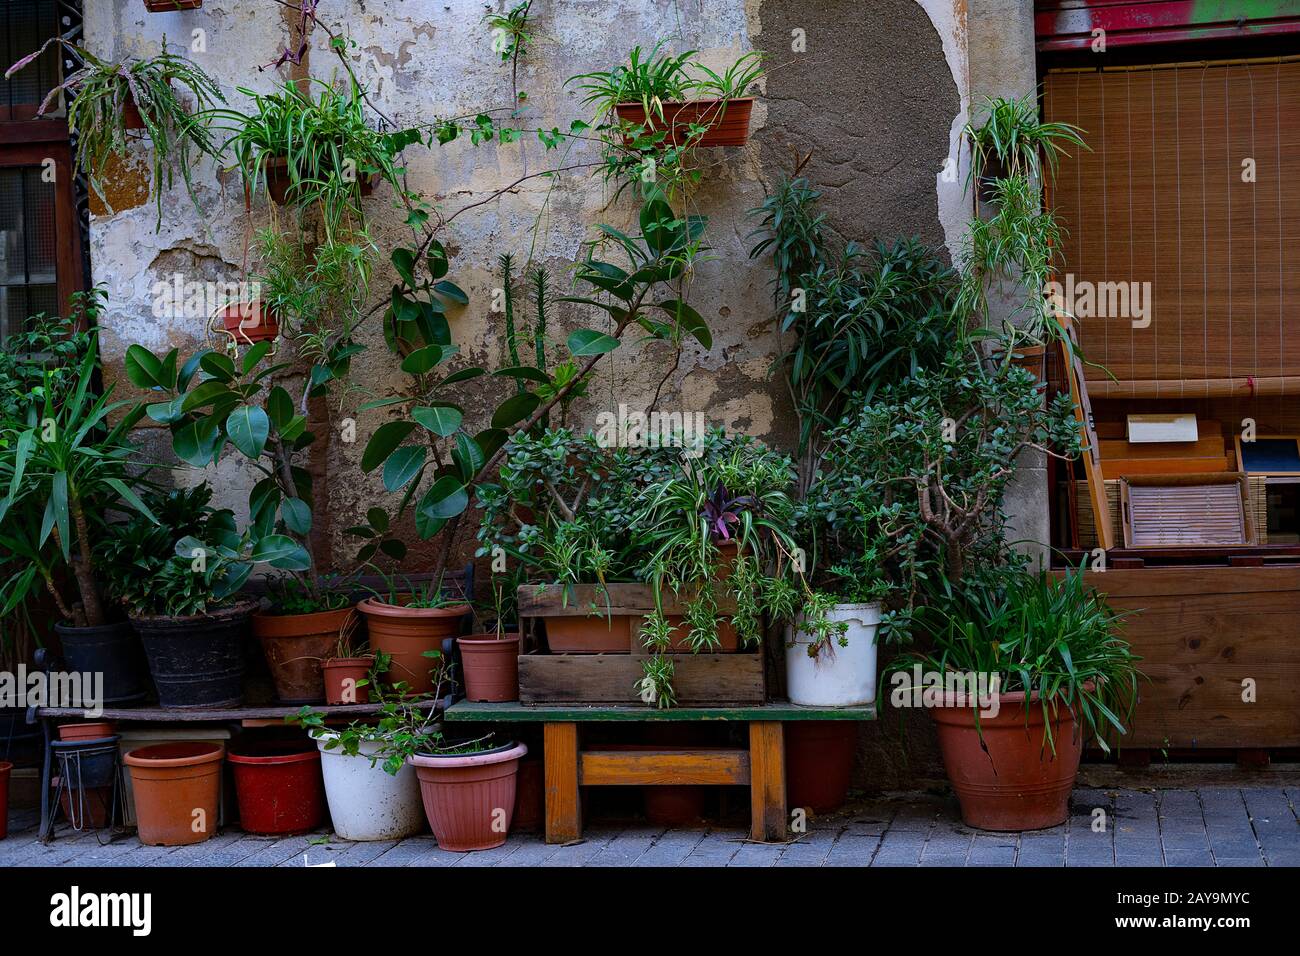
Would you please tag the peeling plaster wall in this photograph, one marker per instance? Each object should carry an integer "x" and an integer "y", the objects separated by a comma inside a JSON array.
[{"x": 879, "y": 94}]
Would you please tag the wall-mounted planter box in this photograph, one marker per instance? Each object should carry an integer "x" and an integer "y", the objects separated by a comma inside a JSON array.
[{"x": 727, "y": 120}]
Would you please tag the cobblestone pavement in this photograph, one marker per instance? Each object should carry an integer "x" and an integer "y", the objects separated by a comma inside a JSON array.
[{"x": 1208, "y": 826}]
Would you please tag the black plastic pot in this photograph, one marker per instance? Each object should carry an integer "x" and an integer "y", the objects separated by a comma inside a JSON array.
[
  {"x": 86, "y": 764},
  {"x": 112, "y": 650},
  {"x": 197, "y": 661}
]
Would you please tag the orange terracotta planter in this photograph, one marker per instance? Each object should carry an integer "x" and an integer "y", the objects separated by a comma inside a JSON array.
[
  {"x": 727, "y": 120},
  {"x": 491, "y": 667},
  {"x": 406, "y": 634},
  {"x": 177, "y": 787},
  {"x": 341, "y": 676},
  {"x": 1011, "y": 780},
  {"x": 469, "y": 799},
  {"x": 96, "y": 730},
  {"x": 295, "y": 645},
  {"x": 589, "y": 634},
  {"x": 248, "y": 322}
]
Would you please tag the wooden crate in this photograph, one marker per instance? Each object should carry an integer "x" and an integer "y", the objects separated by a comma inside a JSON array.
[{"x": 700, "y": 680}]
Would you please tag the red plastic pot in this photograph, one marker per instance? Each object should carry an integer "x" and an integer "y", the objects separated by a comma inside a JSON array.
[
  {"x": 469, "y": 799},
  {"x": 5, "y": 767},
  {"x": 279, "y": 787},
  {"x": 96, "y": 730},
  {"x": 491, "y": 667},
  {"x": 341, "y": 676},
  {"x": 1010, "y": 779},
  {"x": 819, "y": 762}
]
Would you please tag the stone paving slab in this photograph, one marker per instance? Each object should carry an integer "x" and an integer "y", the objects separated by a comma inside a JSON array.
[{"x": 1209, "y": 826}]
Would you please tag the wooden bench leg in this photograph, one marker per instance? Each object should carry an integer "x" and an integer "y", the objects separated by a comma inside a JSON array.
[
  {"x": 563, "y": 806},
  {"x": 767, "y": 781}
]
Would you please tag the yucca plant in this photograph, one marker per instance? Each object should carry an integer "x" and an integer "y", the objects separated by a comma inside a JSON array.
[{"x": 102, "y": 94}]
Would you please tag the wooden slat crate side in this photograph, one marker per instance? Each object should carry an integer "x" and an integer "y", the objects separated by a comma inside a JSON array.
[
  {"x": 550, "y": 600},
  {"x": 700, "y": 679}
]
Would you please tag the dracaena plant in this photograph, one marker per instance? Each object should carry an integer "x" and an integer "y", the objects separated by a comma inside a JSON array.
[
  {"x": 64, "y": 471},
  {"x": 216, "y": 401},
  {"x": 99, "y": 94}
]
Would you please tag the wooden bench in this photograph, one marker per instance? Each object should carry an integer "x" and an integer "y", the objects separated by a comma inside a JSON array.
[{"x": 567, "y": 766}]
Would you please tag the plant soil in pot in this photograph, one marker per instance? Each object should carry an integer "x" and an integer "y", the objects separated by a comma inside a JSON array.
[
  {"x": 589, "y": 634},
  {"x": 837, "y": 676},
  {"x": 86, "y": 731},
  {"x": 112, "y": 650},
  {"x": 197, "y": 661},
  {"x": 469, "y": 798},
  {"x": 177, "y": 787},
  {"x": 279, "y": 786},
  {"x": 491, "y": 667},
  {"x": 366, "y": 802},
  {"x": 341, "y": 676},
  {"x": 249, "y": 322},
  {"x": 295, "y": 645},
  {"x": 1011, "y": 779},
  {"x": 727, "y": 120},
  {"x": 407, "y": 633},
  {"x": 819, "y": 762},
  {"x": 5, "y": 767}
]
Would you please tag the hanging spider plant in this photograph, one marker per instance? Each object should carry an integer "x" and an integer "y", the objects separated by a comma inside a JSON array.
[
  {"x": 108, "y": 100},
  {"x": 1008, "y": 139}
]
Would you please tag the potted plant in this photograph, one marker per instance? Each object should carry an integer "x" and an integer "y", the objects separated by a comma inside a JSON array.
[
  {"x": 1061, "y": 675},
  {"x": 297, "y": 633},
  {"x": 346, "y": 670},
  {"x": 408, "y": 624},
  {"x": 490, "y": 661},
  {"x": 179, "y": 579},
  {"x": 177, "y": 791},
  {"x": 675, "y": 99},
  {"x": 111, "y": 99},
  {"x": 66, "y": 481}
]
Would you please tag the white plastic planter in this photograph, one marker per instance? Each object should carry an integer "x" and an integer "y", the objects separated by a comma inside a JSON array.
[
  {"x": 366, "y": 803},
  {"x": 837, "y": 676}
]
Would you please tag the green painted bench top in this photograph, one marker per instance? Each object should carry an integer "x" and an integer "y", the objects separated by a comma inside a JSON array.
[{"x": 521, "y": 713}]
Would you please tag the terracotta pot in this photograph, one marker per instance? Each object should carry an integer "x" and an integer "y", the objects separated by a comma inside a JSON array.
[
  {"x": 589, "y": 634},
  {"x": 341, "y": 676},
  {"x": 407, "y": 633},
  {"x": 87, "y": 731},
  {"x": 279, "y": 787},
  {"x": 166, "y": 6},
  {"x": 92, "y": 812},
  {"x": 727, "y": 120},
  {"x": 491, "y": 667},
  {"x": 279, "y": 182},
  {"x": 469, "y": 799},
  {"x": 295, "y": 645},
  {"x": 248, "y": 322},
  {"x": 1011, "y": 780},
  {"x": 819, "y": 762},
  {"x": 177, "y": 787},
  {"x": 5, "y": 767}
]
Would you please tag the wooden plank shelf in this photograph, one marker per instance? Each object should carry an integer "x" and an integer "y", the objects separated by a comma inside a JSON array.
[
  {"x": 776, "y": 710},
  {"x": 211, "y": 715}
]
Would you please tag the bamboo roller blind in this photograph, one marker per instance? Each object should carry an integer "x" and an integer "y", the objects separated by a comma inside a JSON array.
[{"x": 1161, "y": 199}]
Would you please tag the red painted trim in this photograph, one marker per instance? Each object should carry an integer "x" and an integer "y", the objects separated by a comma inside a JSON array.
[{"x": 1068, "y": 24}]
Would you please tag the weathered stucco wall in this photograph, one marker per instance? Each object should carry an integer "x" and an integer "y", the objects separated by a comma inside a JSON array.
[{"x": 877, "y": 91}]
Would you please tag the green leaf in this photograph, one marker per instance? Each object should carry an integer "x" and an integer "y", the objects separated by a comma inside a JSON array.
[
  {"x": 463, "y": 375},
  {"x": 436, "y": 260},
  {"x": 386, "y": 438},
  {"x": 196, "y": 443},
  {"x": 688, "y": 320},
  {"x": 404, "y": 263},
  {"x": 378, "y": 519},
  {"x": 280, "y": 406},
  {"x": 527, "y": 372},
  {"x": 219, "y": 366},
  {"x": 449, "y": 290},
  {"x": 281, "y": 551},
  {"x": 167, "y": 412},
  {"x": 490, "y": 441},
  {"x": 207, "y": 393},
  {"x": 515, "y": 409},
  {"x": 59, "y": 509},
  {"x": 445, "y": 498},
  {"x": 296, "y": 514},
  {"x": 144, "y": 369},
  {"x": 442, "y": 420},
  {"x": 130, "y": 498},
  {"x": 255, "y": 355},
  {"x": 403, "y": 465},
  {"x": 586, "y": 342},
  {"x": 468, "y": 456},
  {"x": 422, "y": 360},
  {"x": 248, "y": 428}
]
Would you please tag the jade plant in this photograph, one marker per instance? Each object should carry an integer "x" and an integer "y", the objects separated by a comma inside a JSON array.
[{"x": 103, "y": 94}]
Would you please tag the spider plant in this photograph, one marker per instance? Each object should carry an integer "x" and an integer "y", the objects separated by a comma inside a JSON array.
[
  {"x": 1009, "y": 134},
  {"x": 101, "y": 94},
  {"x": 1045, "y": 634},
  {"x": 649, "y": 80},
  {"x": 734, "y": 80}
]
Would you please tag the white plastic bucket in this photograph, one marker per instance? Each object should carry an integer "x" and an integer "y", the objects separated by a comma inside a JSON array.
[
  {"x": 838, "y": 676},
  {"x": 367, "y": 803}
]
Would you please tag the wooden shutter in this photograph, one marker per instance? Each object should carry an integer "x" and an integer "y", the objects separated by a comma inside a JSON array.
[{"x": 1193, "y": 185}]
